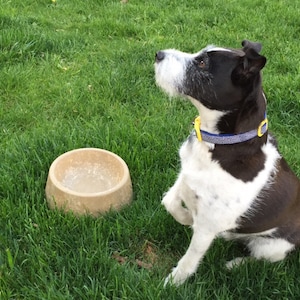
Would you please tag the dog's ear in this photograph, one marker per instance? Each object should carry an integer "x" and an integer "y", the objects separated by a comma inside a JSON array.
[
  {"x": 253, "y": 61},
  {"x": 248, "y": 44},
  {"x": 249, "y": 64}
]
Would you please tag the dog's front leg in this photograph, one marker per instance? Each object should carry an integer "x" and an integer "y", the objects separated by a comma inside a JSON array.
[
  {"x": 172, "y": 201},
  {"x": 188, "y": 264}
]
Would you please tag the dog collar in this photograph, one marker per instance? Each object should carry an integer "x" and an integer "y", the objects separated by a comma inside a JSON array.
[{"x": 228, "y": 139}]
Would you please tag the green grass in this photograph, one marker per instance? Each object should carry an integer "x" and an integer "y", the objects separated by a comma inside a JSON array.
[{"x": 80, "y": 74}]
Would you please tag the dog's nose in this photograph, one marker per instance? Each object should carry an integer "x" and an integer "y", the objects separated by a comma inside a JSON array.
[{"x": 159, "y": 56}]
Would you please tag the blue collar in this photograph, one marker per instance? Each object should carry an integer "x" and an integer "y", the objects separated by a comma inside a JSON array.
[{"x": 228, "y": 139}]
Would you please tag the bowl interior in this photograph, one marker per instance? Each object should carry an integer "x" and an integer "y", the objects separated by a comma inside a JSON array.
[{"x": 88, "y": 171}]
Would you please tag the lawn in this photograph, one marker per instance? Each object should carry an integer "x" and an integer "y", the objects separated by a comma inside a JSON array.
[{"x": 80, "y": 74}]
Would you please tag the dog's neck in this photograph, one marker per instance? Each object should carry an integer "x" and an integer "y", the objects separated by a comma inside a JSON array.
[
  {"x": 235, "y": 121},
  {"x": 209, "y": 118},
  {"x": 251, "y": 113}
]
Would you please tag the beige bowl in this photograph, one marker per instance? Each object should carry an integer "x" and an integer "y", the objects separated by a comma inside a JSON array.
[{"x": 88, "y": 181}]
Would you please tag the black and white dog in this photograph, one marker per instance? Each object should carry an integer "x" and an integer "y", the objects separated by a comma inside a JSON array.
[{"x": 233, "y": 181}]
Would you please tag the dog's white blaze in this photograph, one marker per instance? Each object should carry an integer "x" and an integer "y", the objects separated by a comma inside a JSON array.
[
  {"x": 264, "y": 97},
  {"x": 212, "y": 48}
]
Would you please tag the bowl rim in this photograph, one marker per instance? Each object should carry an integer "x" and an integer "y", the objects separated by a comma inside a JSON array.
[{"x": 63, "y": 188}]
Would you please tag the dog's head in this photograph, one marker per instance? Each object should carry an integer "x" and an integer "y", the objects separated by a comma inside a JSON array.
[{"x": 219, "y": 78}]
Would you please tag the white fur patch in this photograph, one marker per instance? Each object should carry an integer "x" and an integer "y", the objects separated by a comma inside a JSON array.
[
  {"x": 221, "y": 196},
  {"x": 209, "y": 117},
  {"x": 212, "y": 48},
  {"x": 169, "y": 74},
  {"x": 227, "y": 235},
  {"x": 270, "y": 248},
  {"x": 235, "y": 262}
]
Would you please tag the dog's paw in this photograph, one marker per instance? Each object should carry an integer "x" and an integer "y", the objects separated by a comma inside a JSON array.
[
  {"x": 168, "y": 280},
  {"x": 176, "y": 278},
  {"x": 235, "y": 262}
]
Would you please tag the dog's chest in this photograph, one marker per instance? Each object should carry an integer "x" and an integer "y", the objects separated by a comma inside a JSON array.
[{"x": 216, "y": 192}]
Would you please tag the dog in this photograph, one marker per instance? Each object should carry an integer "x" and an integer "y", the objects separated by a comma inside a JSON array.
[{"x": 233, "y": 182}]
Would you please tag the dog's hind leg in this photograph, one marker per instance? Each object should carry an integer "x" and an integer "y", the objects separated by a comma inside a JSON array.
[
  {"x": 271, "y": 249},
  {"x": 173, "y": 203}
]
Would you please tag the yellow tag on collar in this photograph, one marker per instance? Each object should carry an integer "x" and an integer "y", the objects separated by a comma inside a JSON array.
[
  {"x": 197, "y": 124},
  {"x": 260, "y": 132}
]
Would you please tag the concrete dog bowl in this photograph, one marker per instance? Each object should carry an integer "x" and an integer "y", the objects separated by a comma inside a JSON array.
[{"x": 88, "y": 181}]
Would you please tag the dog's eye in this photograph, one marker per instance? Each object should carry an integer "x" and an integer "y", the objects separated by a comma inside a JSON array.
[{"x": 201, "y": 64}]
